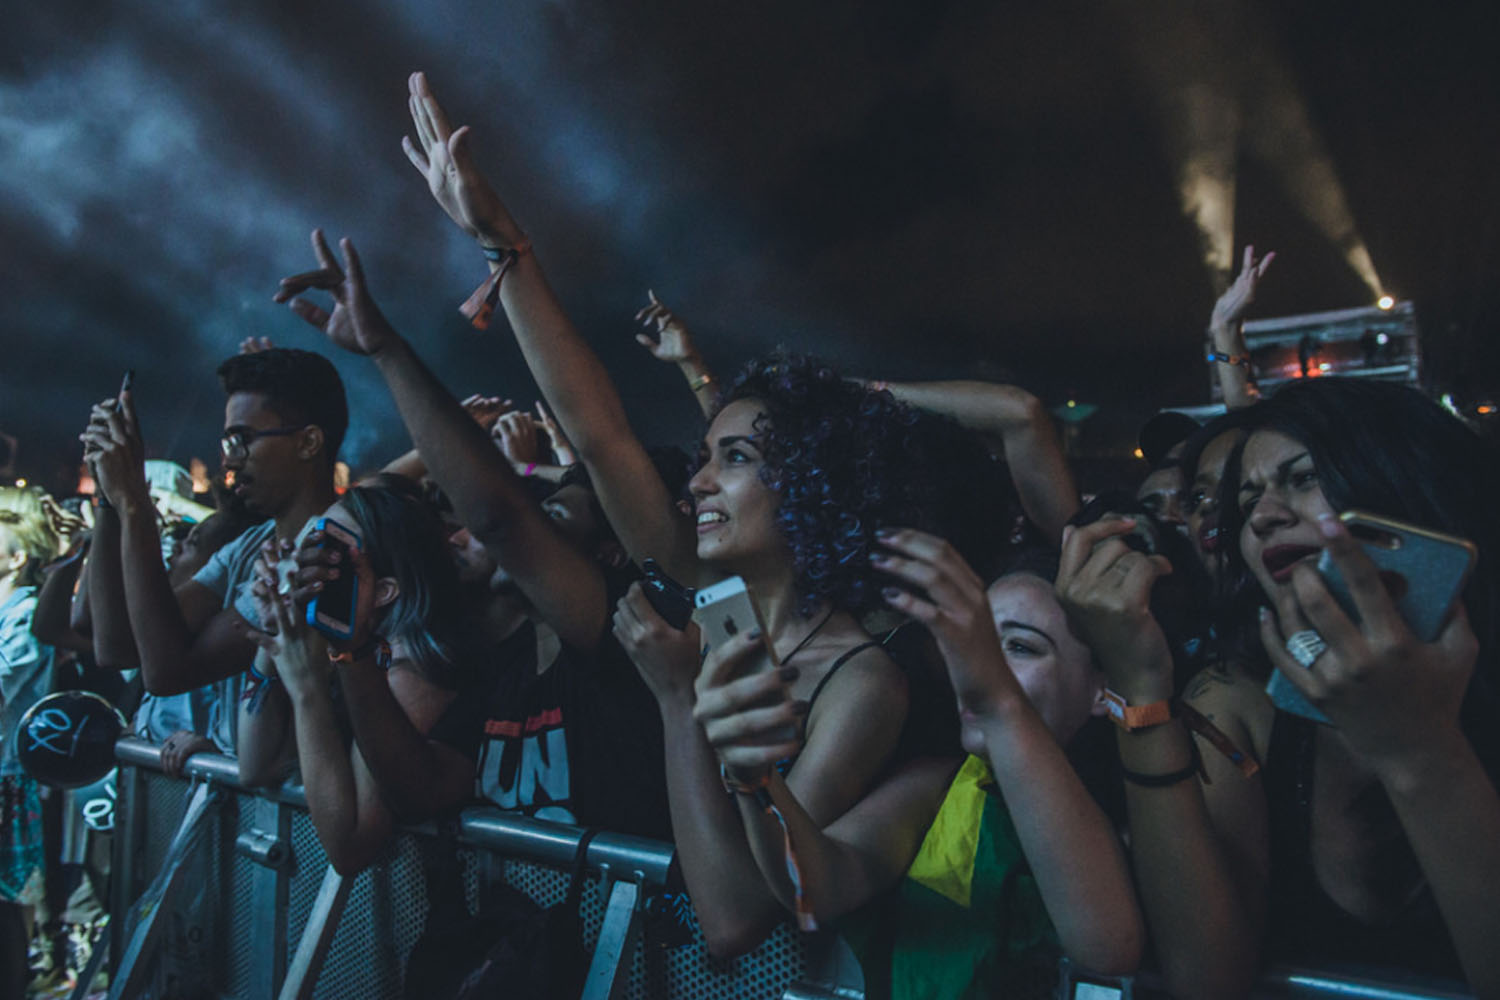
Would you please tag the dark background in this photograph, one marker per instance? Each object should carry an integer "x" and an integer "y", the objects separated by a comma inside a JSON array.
[{"x": 943, "y": 188}]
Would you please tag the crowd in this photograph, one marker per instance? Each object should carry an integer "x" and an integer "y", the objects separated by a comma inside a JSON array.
[{"x": 972, "y": 722}]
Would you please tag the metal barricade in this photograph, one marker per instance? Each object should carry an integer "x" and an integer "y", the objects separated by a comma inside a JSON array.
[{"x": 259, "y": 913}]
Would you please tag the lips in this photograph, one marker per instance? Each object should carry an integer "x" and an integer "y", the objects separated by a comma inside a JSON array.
[
  {"x": 1208, "y": 534},
  {"x": 711, "y": 519},
  {"x": 1279, "y": 560}
]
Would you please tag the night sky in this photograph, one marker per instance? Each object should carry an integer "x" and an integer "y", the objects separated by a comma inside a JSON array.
[{"x": 926, "y": 189}]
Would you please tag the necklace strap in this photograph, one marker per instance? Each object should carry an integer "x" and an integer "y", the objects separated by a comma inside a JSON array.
[{"x": 808, "y": 637}]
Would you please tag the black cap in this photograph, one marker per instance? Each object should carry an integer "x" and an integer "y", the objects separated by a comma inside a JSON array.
[{"x": 1163, "y": 432}]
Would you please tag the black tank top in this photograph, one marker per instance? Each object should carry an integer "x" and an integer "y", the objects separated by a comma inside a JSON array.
[{"x": 1304, "y": 925}]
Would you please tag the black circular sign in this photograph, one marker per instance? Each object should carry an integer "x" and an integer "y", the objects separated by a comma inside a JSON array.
[{"x": 67, "y": 739}]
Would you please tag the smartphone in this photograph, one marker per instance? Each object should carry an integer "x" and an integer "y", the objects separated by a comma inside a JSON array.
[
  {"x": 332, "y": 609},
  {"x": 726, "y": 610},
  {"x": 127, "y": 381},
  {"x": 1424, "y": 571},
  {"x": 672, "y": 600}
]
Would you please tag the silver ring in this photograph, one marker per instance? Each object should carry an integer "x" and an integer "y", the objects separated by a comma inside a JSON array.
[{"x": 1306, "y": 646}]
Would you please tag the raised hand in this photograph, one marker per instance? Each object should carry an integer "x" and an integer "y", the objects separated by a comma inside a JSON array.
[
  {"x": 515, "y": 436},
  {"x": 674, "y": 343},
  {"x": 444, "y": 157},
  {"x": 355, "y": 323},
  {"x": 1105, "y": 586},
  {"x": 666, "y": 658},
  {"x": 955, "y": 609},
  {"x": 114, "y": 449},
  {"x": 1230, "y": 308},
  {"x": 487, "y": 409},
  {"x": 1395, "y": 699},
  {"x": 562, "y": 448}
]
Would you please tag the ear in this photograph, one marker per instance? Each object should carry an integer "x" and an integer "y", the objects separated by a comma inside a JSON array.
[
  {"x": 17, "y": 560},
  {"x": 610, "y": 554},
  {"x": 312, "y": 442},
  {"x": 386, "y": 591}
]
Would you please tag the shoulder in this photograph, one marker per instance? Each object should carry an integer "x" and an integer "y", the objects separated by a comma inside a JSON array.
[
  {"x": 234, "y": 557},
  {"x": 1235, "y": 701},
  {"x": 860, "y": 683}
]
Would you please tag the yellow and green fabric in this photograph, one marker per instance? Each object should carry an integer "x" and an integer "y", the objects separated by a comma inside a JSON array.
[{"x": 967, "y": 920}]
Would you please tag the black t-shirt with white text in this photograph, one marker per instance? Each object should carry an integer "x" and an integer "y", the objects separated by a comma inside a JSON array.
[{"x": 579, "y": 743}]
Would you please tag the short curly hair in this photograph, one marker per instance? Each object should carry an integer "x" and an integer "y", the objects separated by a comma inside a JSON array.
[{"x": 846, "y": 461}]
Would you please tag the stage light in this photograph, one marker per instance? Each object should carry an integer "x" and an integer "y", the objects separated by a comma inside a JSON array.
[
  {"x": 1485, "y": 409},
  {"x": 21, "y": 483},
  {"x": 1325, "y": 366},
  {"x": 1382, "y": 339},
  {"x": 1072, "y": 403},
  {"x": 1385, "y": 302}
]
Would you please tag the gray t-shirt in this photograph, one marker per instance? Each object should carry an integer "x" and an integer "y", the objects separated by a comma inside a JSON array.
[{"x": 229, "y": 573}]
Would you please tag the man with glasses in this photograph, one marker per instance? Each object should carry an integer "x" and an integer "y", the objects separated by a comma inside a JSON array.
[{"x": 284, "y": 419}]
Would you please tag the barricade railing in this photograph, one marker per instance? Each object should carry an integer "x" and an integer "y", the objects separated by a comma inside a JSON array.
[{"x": 243, "y": 903}]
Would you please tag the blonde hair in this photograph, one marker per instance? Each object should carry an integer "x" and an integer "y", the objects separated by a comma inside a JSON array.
[{"x": 22, "y": 514}]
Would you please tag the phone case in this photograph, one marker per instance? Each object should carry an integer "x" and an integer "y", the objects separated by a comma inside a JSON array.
[
  {"x": 672, "y": 600},
  {"x": 1424, "y": 570},
  {"x": 724, "y": 611},
  {"x": 332, "y": 610}
]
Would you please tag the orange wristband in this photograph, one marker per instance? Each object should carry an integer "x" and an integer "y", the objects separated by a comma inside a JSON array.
[{"x": 1133, "y": 717}]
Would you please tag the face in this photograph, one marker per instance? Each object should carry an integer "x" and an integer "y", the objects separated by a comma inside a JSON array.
[
  {"x": 475, "y": 565},
  {"x": 1281, "y": 501},
  {"x": 571, "y": 509},
  {"x": 269, "y": 471},
  {"x": 1055, "y": 669},
  {"x": 1160, "y": 493},
  {"x": 735, "y": 510},
  {"x": 1200, "y": 505}
]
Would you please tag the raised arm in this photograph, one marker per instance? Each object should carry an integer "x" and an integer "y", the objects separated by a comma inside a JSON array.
[
  {"x": 1037, "y": 466},
  {"x": 572, "y": 379},
  {"x": 1396, "y": 702},
  {"x": 1228, "y": 356},
  {"x": 1069, "y": 844},
  {"x": 1201, "y": 876},
  {"x": 183, "y": 639},
  {"x": 52, "y": 622},
  {"x": 563, "y": 583},
  {"x": 674, "y": 345}
]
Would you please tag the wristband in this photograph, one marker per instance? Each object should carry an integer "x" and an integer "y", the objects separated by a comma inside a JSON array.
[
  {"x": 1238, "y": 360},
  {"x": 373, "y": 646},
  {"x": 479, "y": 307},
  {"x": 1133, "y": 717},
  {"x": 530, "y": 470},
  {"x": 760, "y": 790},
  {"x": 1194, "y": 768},
  {"x": 701, "y": 381}
]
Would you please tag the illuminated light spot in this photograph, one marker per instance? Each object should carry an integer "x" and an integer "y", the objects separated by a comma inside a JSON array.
[
  {"x": 1325, "y": 366},
  {"x": 1072, "y": 403},
  {"x": 1139, "y": 454},
  {"x": 1385, "y": 302},
  {"x": 21, "y": 483},
  {"x": 1382, "y": 339},
  {"x": 1485, "y": 409}
]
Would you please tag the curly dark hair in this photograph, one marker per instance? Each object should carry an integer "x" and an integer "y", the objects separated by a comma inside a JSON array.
[
  {"x": 846, "y": 462},
  {"x": 300, "y": 386}
]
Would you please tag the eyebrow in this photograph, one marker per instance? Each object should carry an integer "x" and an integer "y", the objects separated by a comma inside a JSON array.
[
  {"x": 1026, "y": 628},
  {"x": 730, "y": 440},
  {"x": 1281, "y": 471}
]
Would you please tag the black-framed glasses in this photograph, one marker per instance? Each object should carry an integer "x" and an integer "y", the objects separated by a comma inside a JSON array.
[{"x": 236, "y": 443}]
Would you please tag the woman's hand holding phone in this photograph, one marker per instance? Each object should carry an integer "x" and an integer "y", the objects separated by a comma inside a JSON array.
[
  {"x": 751, "y": 721},
  {"x": 1394, "y": 698}
]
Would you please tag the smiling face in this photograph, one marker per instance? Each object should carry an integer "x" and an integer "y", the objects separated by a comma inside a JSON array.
[
  {"x": 735, "y": 509},
  {"x": 1280, "y": 500},
  {"x": 1053, "y": 666},
  {"x": 1200, "y": 502}
]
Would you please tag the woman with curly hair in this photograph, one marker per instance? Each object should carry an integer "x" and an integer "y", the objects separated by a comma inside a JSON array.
[{"x": 799, "y": 470}]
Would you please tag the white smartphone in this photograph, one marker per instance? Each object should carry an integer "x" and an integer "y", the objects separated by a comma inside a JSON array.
[{"x": 726, "y": 610}]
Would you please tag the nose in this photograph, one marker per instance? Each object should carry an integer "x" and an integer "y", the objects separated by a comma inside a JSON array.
[
  {"x": 704, "y": 482},
  {"x": 1269, "y": 513}
]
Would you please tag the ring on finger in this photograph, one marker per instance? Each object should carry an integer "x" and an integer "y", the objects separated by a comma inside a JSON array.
[{"x": 1306, "y": 646}]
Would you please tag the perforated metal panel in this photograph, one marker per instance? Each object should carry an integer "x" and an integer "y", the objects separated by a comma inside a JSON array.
[{"x": 387, "y": 909}]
